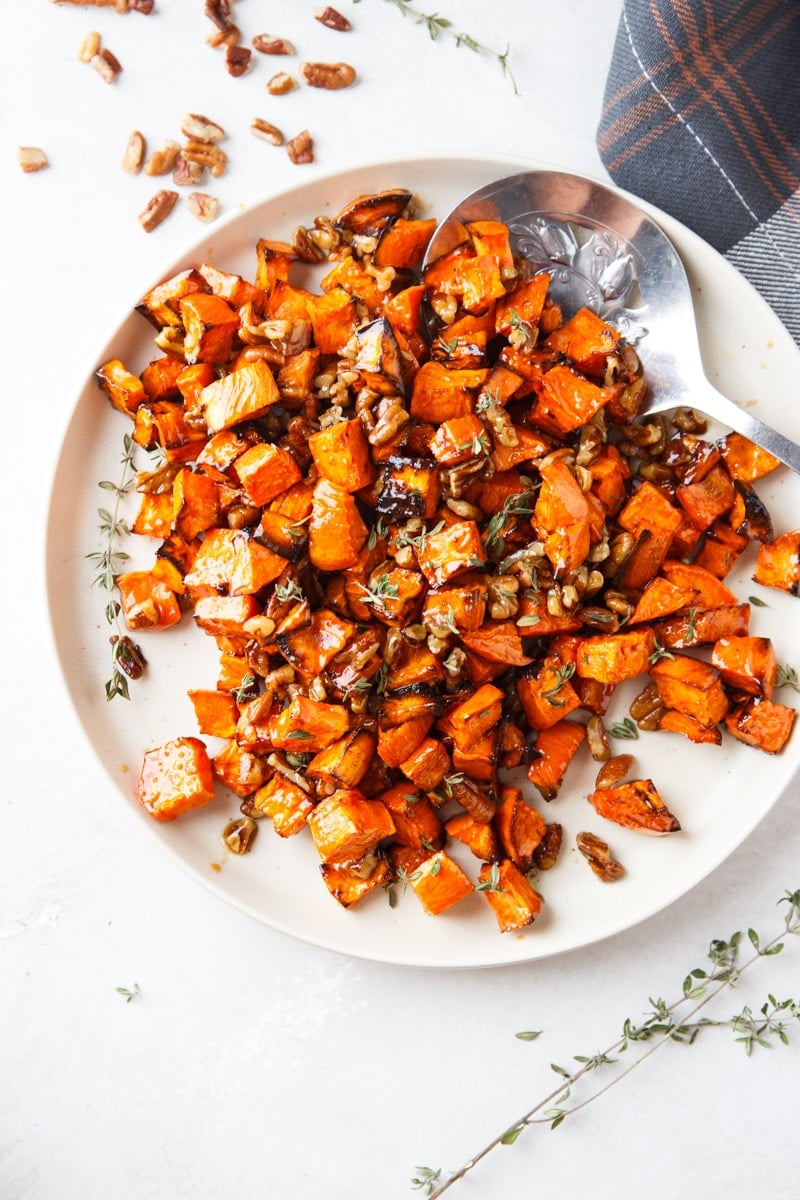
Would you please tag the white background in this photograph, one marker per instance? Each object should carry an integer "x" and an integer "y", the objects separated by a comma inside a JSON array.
[{"x": 251, "y": 1065}]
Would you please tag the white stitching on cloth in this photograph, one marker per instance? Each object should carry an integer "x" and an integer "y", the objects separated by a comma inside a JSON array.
[{"x": 761, "y": 226}]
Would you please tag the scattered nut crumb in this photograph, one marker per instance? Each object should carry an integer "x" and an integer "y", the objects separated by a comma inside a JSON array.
[
  {"x": 157, "y": 210},
  {"x": 203, "y": 129},
  {"x": 331, "y": 76},
  {"x": 301, "y": 148},
  {"x": 162, "y": 161},
  {"x": 280, "y": 84},
  {"x": 186, "y": 173},
  {"x": 333, "y": 19},
  {"x": 89, "y": 47},
  {"x": 237, "y": 60},
  {"x": 269, "y": 133},
  {"x": 599, "y": 857},
  {"x": 202, "y": 206},
  {"x": 107, "y": 65},
  {"x": 31, "y": 158},
  {"x": 133, "y": 159},
  {"x": 265, "y": 43}
]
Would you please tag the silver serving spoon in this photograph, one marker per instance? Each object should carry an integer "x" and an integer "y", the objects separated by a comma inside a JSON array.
[{"x": 606, "y": 253}]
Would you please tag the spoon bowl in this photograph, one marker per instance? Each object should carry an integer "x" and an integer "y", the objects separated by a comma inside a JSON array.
[{"x": 607, "y": 254}]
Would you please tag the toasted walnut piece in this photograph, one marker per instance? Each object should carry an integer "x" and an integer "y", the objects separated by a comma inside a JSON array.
[
  {"x": 265, "y": 43},
  {"x": 89, "y": 47},
  {"x": 333, "y": 19},
  {"x": 227, "y": 37},
  {"x": 202, "y": 206},
  {"x": 280, "y": 84},
  {"x": 301, "y": 148},
  {"x": 549, "y": 848},
  {"x": 238, "y": 834},
  {"x": 331, "y": 76},
  {"x": 599, "y": 857},
  {"x": 186, "y": 173},
  {"x": 162, "y": 161},
  {"x": 237, "y": 60},
  {"x": 266, "y": 131},
  {"x": 31, "y": 158},
  {"x": 208, "y": 154},
  {"x": 219, "y": 11},
  {"x": 107, "y": 65},
  {"x": 201, "y": 129},
  {"x": 133, "y": 157},
  {"x": 158, "y": 209}
]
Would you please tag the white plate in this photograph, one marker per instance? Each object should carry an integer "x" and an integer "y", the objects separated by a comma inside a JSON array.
[{"x": 718, "y": 794}]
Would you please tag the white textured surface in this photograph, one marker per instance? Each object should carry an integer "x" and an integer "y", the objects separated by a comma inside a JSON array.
[{"x": 251, "y": 1065}]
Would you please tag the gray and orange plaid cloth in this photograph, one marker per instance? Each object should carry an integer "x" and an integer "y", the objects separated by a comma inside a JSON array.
[{"x": 701, "y": 117}]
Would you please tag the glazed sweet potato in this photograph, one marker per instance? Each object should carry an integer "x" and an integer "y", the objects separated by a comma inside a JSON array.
[
  {"x": 636, "y": 805},
  {"x": 175, "y": 778}
]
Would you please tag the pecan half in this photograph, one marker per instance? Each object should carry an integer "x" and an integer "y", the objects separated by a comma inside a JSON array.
[
  {"x": 266, "y": 131},
  {"x": 280, "y": 84},
  {"x": 237, "y": 59},
  {"x": 133, "y": 158},
  {"x": 157, "y": 210},
  {"x": 186, "y": 173},
  {"x": 331, "y": 76},
  {"x": 265, "y": 43},
  {"x": 106, "y": 64},
  {"x": 301, "y": 148},
  {"x": 332, "y": 19},
  {"x": 208, "y": 154},
  {"x": 89, "y": 47},
  {"x": 202, "y": 206},
  {"x": 599, "y": 857},
  {"x": 202, "y": 129}
]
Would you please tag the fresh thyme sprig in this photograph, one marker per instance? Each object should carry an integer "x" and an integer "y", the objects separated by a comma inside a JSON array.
[
  {"x": 681, "y": 1021},
  {"x": 438, "y": 26},
  {"x": 126, "y": 659}
]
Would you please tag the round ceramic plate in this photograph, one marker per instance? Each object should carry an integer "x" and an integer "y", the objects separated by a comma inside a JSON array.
[{"x": 718, "y": 793}]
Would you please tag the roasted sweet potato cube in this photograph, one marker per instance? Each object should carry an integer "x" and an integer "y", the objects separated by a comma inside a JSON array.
[
  {"x": 345, "y": 762},
  {"x": 295, "y": 378},
  {"x": 345, "y": 826},
  {"x": 416, "y": 821},
  {"x": 336, "y": 532},
  {"x": 441, "y": 393},
  {"x": 519, "y": 827},
  {"x": 348, "y": 885},
  {"x": 513, "y": 898},
  {"x": 222, "y": 616},
  {"x": 415, "y": 665},
  {"x": 394, "y": 594},
  {"x": 161, "y": 304},
  {"x": 341, "y": 454},
  {"x": 721, "y": 548},
  {"x": 612, "y": 658},
  {"x": 285, "y": 803},
  {"x": 313, "y": 646},
  {"x": 467, "y": 722},
  {"x": 635, "y": 805},
  {"x": 462, "y": 608},
  {"x": 480, "y": 761},
  {"x": 451, "y": 551},
  {"x": 649, "y": 508},
  {"x": 212, "y": 567},
  {"x": 427, "y": 765},
  {"x": 778, "y": 563},
  {"x": 698, "y": 627},
  {"x": 478, "y": 836},
  {"x": 349, "y": 275},
  {"x": 710, "y": 591},
  {"x": 124, "y": 389},
  {"x": 217, "y": 712},
  {"x": 528, "y": 446},
  {"x": 586, "y": 340},
  {"x": 175, "y": 778},
  {"x": 547, "y": 695},
  {"x": 523, "y": 306},
  {"x": 561, "y": 517},
  {"x": 747, "y": 664},
  {"x": 410, "y": 488},
  {"x": 154, "y": 518},
  {"x": 254, "y": 565},
  {"x": 309, "y": 725},
  {"x": 458, "y": 440},
  {"x": 266, "y": 471},
  {"x": 210, "y": 327},
  {"x": 420, "y": 701},
  {"x": 673, "y": 721},
  {"x": 240, "y": 770},
  {"x": 660, "y": 598},
  {"x": 402, "y": 244},
  {"x": 744, "y": 460},
  {"x": 334, "y": 317},
  {"x": 691, "y": 686},
  {"x": 761, "y": 723},
  {"x": 273, "y": 262},
  {"x": 245, "y": 394},
  {"x": 147, "y": 602},
  {"x": 711, "y": 497},
  {"x": 567, "y": 400},
  {"x": 554, "y": 750},
  {"x": 195, "y": 503},
  {"x": 439, "y": 883},
  {"x": 397, "y": 743}
]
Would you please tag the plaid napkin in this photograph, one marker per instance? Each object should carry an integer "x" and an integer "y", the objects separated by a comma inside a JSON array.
[{"x": 701, "y": 117}]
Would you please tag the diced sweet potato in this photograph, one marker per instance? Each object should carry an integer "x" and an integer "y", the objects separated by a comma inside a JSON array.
[
  {"x": 744, "y": 460},
  {"x": 398, "y": 743},
  {"x": 313, "y": 646},
  {"x": 240, "y": 770},
  {"x": 679, "y": 722},
  {"x": 477, "y": 836},
  {"x": 441, "y": 393},
  {"x": 439, "y": 883},
  {"x": 309, "y": 725},
  {"x": 175, "y": 778},
  {"x": 265, "y": 471},
  {"x": 701, "y": 626},
  {"x": 515, "y": 901},
  {"x": 416, "y": 821},
  {"x": 691, "y": 686},
  {"x": 428, "y": 764},
  {"x": 341, "y": 454},
  {"x": 348, "y": 885},
  {"x": 336, "y": 532},
  {"x": 660, "y": 598},
  {"x": 567, "y": 400},
  {"x": 709, "y": 498},
  {"x": 614, "y": 657},
  {"x": 468, "y": 721},
  {"x": 636, "y": 805},
  {"x": 561, "y": 517},
  {"x": 217, "y": 712},
  {"x": 211, "y": 327},
  {"x": 586, "y": 340},
  {"x": 778, "y": 563},
  {"x": 547, "y": 696},
  {"x": 345, "y": 762},
  {"x": 554, "y": 749},
  {"x": 761, "y": 723},
  {"x": 747, "y": 664},
  {"x": 147, "y": 602},
  {"x": 448, "y": 552},
  {"x": 345, "y": 825},
  {"x": 124, "y": 389},
  {"x": 286, "y": 804},
  {"x": 497, "y": 641},
  {"x": 243, "y": 395},
  {"x": 519, "y": 827}
]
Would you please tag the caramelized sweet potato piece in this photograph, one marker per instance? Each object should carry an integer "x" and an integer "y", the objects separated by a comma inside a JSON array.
[
  {"x": 398, "y": 743},
  {"x": 286, "y": 804},
  {"x": 175, "y": 778},
  {"x": 515, "y": 901},
  {"x": 147, "y": 602},
  {"x": 211, "y": 327},
  {"x": 761, "y": 723},
  {"x": 478, "y": 836},
  {"x": 217, "y": 712},
  {"x": 709, "y": 498},
  {"x": 547, "y": 695},
  {"x": 341, "y": 455},
  {"x": 523, "y": 306},
  {"x": 586, "y": 340},
  {"x": 744, "y": 460},
  {"x": 348, "y": 884},
  {"x": 636, "y": 805},
  {"x": 660, "y": 598},
  {"x": 307, "y": 724},
  {"x": 243, "y": 395},
  {"x": 427, "y": 765},
  {"x": 778, "y": 563},
  {"x": 448, "y": 552},
  {"x": 468, "y": 721},
  {"x": 241, "y": 771},
  {"x": 691, "y": 686},
  {"x": 439, "y": 883},
  {"x": 124, "y": 389},
  {"x": 561, "y": 516},
  {"x": 697, "y": 627},
  {"x": 747, "y": 664},
  {"x": 336, "y": 531},
  {"x": 345, "y": 825},
  {"x": 567, "y": 400},
  {"x": 617, "y": 656},
  {"x": 402, "y": 244},
  {"x": 710, "y": 591},
  {"x": 440, "y": 393},
  {"x": 497, "y": 641},
  {"x": 371, "y": 214},
  {"x": 416, "y": 821},
  {"x": 680, "y": 722},
  {"x": 519, "y": 827},
  {"x": 266, "y": 471},
  {"x": 554, "y": 749},
  {"x": 344, "y": 763},
  {"x": 313, "y": 646}
]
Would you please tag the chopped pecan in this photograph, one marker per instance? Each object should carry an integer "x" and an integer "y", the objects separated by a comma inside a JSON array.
[
  {"x": 280, "y": 84},
  {"x": 201, "y": 129},
  {"x": 107, "y": 65},
  {"x": 202, "y": 206},
  {"x": 157, "y": 210},
  {"x": 89, "y": 47},
  {"x": 613, "y": 771},
  {"x": 219, "y": 11},
  {"x": 208, "y": 154},
  {"x": 266, "y": 131},
  {"x": 301, "y": 148},
  {"x": 133, "y": 158},
  {"x": 599, "y": 857},
  {"x": 331, "y": 76},
  {"x": 549, "y": 848},
  {"x": 265, "y": 43},
  {"x": 332, "y": 19},
  {"x": 162, "y": 161},
  {"x": 237, "y": 59},
  {"x": 227, "y": 37},
  {"x": 31, "y": 158},
  {"x": 186, "y": 173}
]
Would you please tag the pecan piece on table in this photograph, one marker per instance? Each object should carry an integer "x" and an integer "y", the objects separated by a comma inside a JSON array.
[
  {"x": 157, "y": 210},
  {"x": 331, "y": 76},
  {"x": 301, "y": 148},
  {"x": 332, "y": 18},
  {"x": 31, "y": 158},
  {"x": 599, "y": 857}
]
